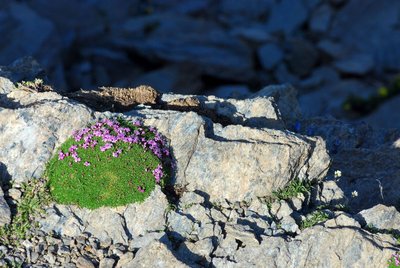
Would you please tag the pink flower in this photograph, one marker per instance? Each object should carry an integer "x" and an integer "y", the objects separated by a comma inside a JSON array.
[
  {"x": 117, "y": 153},
  {"x": 140, "y": 189},
  {"x": 158, "y": 173},
  {"x": 87, "y": 163},
  {"x": 61, "y": 155},
  {"x": 105, "y": 147},
  {"x": 73, "y": 148}
]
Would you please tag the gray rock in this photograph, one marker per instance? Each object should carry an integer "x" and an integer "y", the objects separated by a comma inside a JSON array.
[
  {"x": 320, "y": 77},
  {"x": 330, "y": 194},
  {"x": 285, "y": 97},
  {"x": 270, "y": 55},
  {"x": 287, "y": 16},
  {"x": 147, "y": 216},
  {"x": 333, "y": 49},
  {"x": 296, "y": 203},
  {"x": 342, "y": 219},
  {"x": 183, "y": 224},
  {"x": 253, "y": 33},
  {"x": 14, "y": 193},
  {"x": 263, "y": 109},
  {"x": 62, "y": 221},
  {"x": 28, "y": 27},
  {"x": 260, "y": 208},
  {"x": 143, "y": 241},
  {"x": 199, "y": 252},
  {"x": 107, "y": 263},
  {"x": 380, "y": 217},
  {"x": 321, "y": 18},
  {"x": 238, "y": 13},
  {"x": 314, "y": 247},
  {"x": 289, "y": 225},
  {"x": 158, "y": 254},
  {"x": 311, "y": 4},
  {"x": 351, "y": 146},
  {"x": 357, "y": 64},
  {"x": 190, "y": 198},
  {"x": 6, "y": 86},
  {"x": 170, "y": 79},
  {"x": 84, "y": 262},
  {"x": 5, "y": 212},
  {"x": 386, "y": 116},
  {"x": 283, "y": 75},
  {"x": 215, "y": 52},
  {"x": 302, "y": 57},
  {"x": 281, "y": 209},
  {"x": 105, "y": 223},
  {"x": 200, "y": 155},
  {"x": 330, "y": 98},
  {"x": 256, "y": 112},
  {"x": 29, "y": 133},
  {"x": 125, "y": 261},
  {"x": 177, "y": 7},
  {"x": 231, "y": 92},
  {"x": 375, "y": 24}
]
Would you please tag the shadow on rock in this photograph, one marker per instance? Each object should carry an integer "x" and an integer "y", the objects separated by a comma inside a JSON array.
[{"x": 174, "y": 241}]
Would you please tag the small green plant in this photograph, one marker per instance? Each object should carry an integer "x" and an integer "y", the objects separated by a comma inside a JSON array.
[
  {"x": 35, "y": 196},
  {"x": 36, "y": 85},
  {"x": 313, "y": 219},
  {"x": 109, "y": 163},
  {"x": 293, "y": 189}
]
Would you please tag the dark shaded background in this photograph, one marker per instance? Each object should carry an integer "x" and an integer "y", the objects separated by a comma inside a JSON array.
[{"x": 342, "y": 55}]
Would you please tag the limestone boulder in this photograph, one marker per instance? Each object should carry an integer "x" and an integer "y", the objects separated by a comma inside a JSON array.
[{"x": 33, "y": 126}]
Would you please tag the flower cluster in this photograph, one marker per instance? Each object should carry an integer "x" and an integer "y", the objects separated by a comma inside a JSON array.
[
  {"x": 395, "y": 260},
  {"x": 109, "y": 133}
]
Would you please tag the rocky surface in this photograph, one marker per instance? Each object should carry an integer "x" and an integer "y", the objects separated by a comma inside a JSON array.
[{"x": 232, "y": 156}]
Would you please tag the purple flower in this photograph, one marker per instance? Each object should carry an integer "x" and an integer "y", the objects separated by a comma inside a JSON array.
[
  {"x": 137, "y": 123},
  {"x": 73, "y": 148},
  {"x": 117, "y": 153},
  {"x": 61, "y": 155},
  {"x": 105, "y": 147},
  {"x": 87, "y": 163},
  {"x": 158, "y": 173}
]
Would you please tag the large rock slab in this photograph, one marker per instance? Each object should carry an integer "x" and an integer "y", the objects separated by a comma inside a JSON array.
[
  {"x": 236, "y": 162},
  {"x": 315, "y": 247},
  {"x": 31, "y": 133}
]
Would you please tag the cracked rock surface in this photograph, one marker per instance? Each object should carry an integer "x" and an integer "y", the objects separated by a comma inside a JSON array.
[{"x": 226, "y": 213}]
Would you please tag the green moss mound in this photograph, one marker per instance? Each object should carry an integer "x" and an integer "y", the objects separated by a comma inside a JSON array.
[{"x": 110, "y": 163}]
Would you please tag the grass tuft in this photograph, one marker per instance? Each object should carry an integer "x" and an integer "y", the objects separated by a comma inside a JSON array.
[
  {"x": 34, "y": 197},
  {"x": 314, "y": 218},
  {"x": 293, "y": 189}
]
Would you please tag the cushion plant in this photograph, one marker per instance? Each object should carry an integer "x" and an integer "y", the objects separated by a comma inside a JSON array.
[{"x": 110, "y": 163}]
